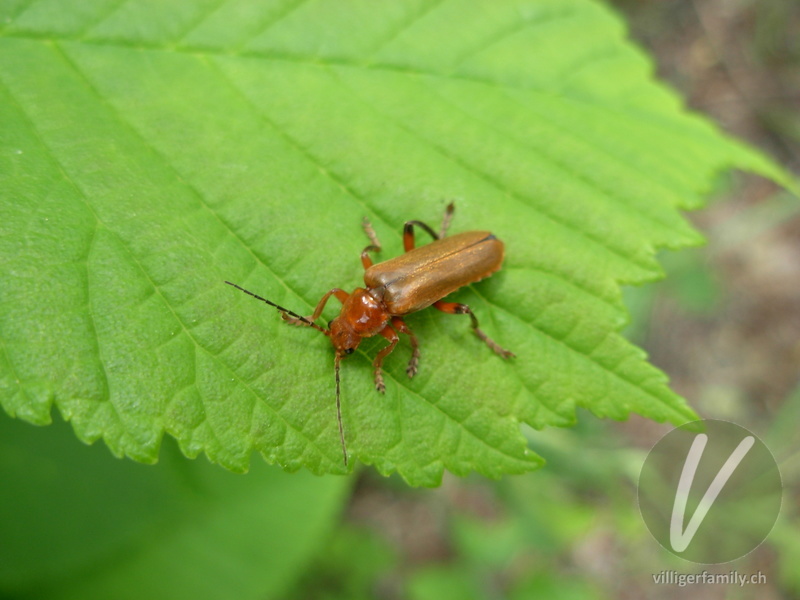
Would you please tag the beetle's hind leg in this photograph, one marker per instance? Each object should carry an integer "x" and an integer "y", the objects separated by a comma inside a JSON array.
[
  {"x": 401, "y": 326},
  {"x": 454, "y": 308}
]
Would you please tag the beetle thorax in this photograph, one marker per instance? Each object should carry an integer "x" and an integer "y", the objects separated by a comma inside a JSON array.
[
  {"x": 361, "y": 316},
  {"x": 366, "y": 315}
]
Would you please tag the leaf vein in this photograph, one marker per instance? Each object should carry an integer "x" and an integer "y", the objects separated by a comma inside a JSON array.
[
  {"x": 427, "y": 9},
  {"x": 269, "y": 23},
  {"x": 100, "y": 19},
  {"x": 515, "y": 27},
  {"x": 90, "y": 314},
  {"x": 485, "y": 176},
  {"x": 323, "y": 169},
  {"x": 199, "y": 20},
  {"x": 545, "y": 156}
]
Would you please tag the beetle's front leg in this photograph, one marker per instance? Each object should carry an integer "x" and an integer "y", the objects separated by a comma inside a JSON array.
[
  {"x": 341, "y": 296},
  {"x": 391, "y": 335}
]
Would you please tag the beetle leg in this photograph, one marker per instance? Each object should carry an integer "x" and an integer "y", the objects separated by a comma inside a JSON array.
[
  {"x": 341, "y": 296},
  {"x": 454, "y": 308},
  {"x": 366, "y": 260},
  {"x": 373, "y": 237},
  {"x": 408, "y": 228},
  {"x": 408, "y": 233},
  {"x": 391, "y": 335},
  {"x": 375, "y": 245},
  {"x": 401, "y": 326},
  {"x": 448, "y": 216}
]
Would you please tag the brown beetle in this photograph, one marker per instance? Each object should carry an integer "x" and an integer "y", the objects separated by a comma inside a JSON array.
[{"x": 400, "y": 286}]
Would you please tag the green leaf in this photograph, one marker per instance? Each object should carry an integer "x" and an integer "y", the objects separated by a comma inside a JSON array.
[
  {"x": 80, "y": 524},
  {"x": 151, "y": 150}
]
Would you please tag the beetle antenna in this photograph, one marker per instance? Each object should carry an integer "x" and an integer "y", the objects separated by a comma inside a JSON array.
[
  {"x": 336, "y": 361},
  {"x": 280, "y": 308}
]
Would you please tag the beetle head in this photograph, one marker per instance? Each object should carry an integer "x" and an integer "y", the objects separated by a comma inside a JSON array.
[{"x": 343, "y": 337}]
